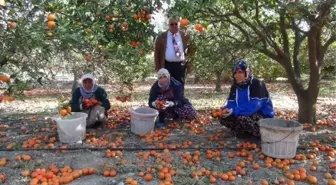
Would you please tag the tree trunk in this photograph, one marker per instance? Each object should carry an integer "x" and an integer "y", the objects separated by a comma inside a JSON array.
[
  {"x": 307, "y": 98},
  {"x": 296, "y": 64},
  {"x": 197, "y": 78},
  {"x": 296, "y": 52},
  {"x": 75, "y": 81},
  {"x": 105, "y": 79},
  {"x": 307, "y": 103},
  {"x": 3, "y": 61},
  {"x": 307, "y": 107},
  {"x": 218, "y": 81}
]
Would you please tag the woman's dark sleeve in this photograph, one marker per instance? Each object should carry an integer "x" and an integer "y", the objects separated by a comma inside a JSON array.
[
  {"x": 104, "y": 100},
  {"x": 74, "y": 102},
  {"x": 152, "y": 96},
  {"x": 178, "y": 94}
]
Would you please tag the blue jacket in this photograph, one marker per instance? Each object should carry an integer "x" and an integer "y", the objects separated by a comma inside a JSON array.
[
  {"x": 175, "y": 87},
  {"x": 252, "y": 99}
]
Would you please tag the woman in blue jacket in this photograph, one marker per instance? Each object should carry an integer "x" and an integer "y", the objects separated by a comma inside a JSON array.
[
  {"x": 168, "y": 89},
  {"x": 247, "y": 103}
]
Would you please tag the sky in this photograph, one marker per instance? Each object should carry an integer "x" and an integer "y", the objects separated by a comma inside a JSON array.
[{"x": 160, "y": 20}]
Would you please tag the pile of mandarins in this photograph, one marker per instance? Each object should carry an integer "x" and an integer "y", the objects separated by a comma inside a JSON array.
[
  {"x": 219, "y": 113},
  {"x": 64, "y": 110},
  {"x": 159, "y": 104},
  {"x": 124, "y": 98},
  {"x": 56, "y": 176},
  {"x": 51, "y": 21},
  {"x": 91, "y": 102}
]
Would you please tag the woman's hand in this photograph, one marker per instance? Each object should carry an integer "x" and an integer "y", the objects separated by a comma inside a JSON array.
[
  {"x": 169, "y": 104},
  {"x": 154, "y": 104},
  {"x": 87, "y": 105},
  {"x": 159, "y": 104},
  {"x": 229, "y": 112}
]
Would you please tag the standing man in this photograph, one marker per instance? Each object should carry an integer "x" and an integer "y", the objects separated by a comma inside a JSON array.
[{"x": 173, "y": 51}]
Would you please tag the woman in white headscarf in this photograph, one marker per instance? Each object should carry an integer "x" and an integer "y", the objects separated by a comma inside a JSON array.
[
  {"x": 169, "y": 90},
  {"x": 92, "y": 99}
]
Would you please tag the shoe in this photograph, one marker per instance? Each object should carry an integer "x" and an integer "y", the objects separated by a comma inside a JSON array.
[{"x": 160, "y": 124}]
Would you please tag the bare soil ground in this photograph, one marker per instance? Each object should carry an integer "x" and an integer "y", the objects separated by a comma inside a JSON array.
[{"x": 28, "y": 121}]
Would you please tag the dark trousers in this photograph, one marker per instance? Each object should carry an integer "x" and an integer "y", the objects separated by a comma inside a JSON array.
[
  {"x": 161, "y": 116},
  {"x": 177, "y": 71},
  {"x": 243, "y": 124}
]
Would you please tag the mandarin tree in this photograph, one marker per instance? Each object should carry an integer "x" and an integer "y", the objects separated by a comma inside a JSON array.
[
  {"x": 39, "y": 35},
  {"x": 277, "y": 29}
]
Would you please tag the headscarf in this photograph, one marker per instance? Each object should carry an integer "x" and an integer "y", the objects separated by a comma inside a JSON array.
[
  {"x": 164, "y": 72},
  {"x": 87, "y": 94},
  {"x": 243, "y": 66}
]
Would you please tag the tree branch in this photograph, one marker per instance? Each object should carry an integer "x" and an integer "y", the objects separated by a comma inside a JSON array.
[
  {"x": 227, "y": 18},
  {"x": 267, "y": 37},
  {"x": 298, "y": 38},
  {"x": 3, "y": 61},
  {"x": 306, "y": 13},
  {"x": 216, "y": 14},
  {"x": 296, "y": 27},
  {"x": 229, "y": 36},
  {"x": 260, "y": 34},
  {"x": 247, "y": 36},
  {"x": 257, "y": 10},
  {"x": 314, "y": 44},
  {"x": 243, "y": 31},
  {"x": 284, "y": 34},
  {"x": 270, "y": 54},
  {"x": 328, "y": 43}
]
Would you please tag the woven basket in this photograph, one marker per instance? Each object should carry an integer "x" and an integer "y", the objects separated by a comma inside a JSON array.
[{"x": 279, "y": 138}]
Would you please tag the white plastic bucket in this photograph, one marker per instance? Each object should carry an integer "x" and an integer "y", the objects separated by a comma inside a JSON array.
[
  {"x": 279, "y": 138},
  {"x": 73, "y": 128},
  {"x": 143, "y": 119}
]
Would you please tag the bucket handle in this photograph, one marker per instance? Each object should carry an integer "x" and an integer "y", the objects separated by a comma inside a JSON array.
[{"x": 279, "y": 140}]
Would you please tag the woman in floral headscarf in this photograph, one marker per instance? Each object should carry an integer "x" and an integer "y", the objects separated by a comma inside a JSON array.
[
  {"x": 169, "y": 90},
  {"x": 89, "y": 90},
  {"x": 247, "y": 103}
]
